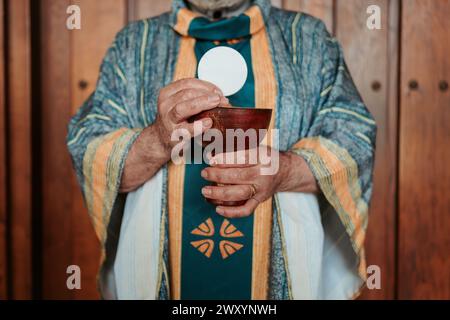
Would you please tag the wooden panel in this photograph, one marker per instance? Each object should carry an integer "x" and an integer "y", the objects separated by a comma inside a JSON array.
[
  {"x": 322, "y": 9},
  {"x": 19, "y": 146},
  {"x": 277, "y": 3},
  {"x": 70, "y": 57},
  {"x": 424, "y": 175},
  {"x": 57, "y": 191},
  {"x": 370, "y": 58},
  {"x": 141, "y": 9},
  {"x": 102, "y": 19},
  {"x": 3, "y": 261}
]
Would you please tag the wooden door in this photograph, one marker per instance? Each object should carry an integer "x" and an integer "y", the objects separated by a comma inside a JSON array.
[
  {"x": 19, "y": 148},
  {"x": 372, "y": 57},
  {"x": 3, "y": 204},
  {"x": 70, "y": 59},
  {"x": 322, "y": 9},
  {"x": 141, "y": 9},
  {"x": 424, "y": 171}
]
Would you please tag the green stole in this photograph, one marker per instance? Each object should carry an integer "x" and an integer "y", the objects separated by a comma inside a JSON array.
[{"x": 215, "y": 256}]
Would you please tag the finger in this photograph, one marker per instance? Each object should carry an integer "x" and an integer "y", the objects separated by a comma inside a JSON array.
[
  {"x": 189, "y": 83},
  {"x": 187, "y": 109},
  {"x": 238, "y": 212},
  {"x": 184, "y": 95},
  {"x": 238, "y": 159},
  {"x": 198, "y": 127},
  {"x": 228, "y": 193},
  {"x": 231, "y": 175}
]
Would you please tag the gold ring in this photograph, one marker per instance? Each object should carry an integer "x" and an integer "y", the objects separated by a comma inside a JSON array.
[{"x": 254, "y": 192}]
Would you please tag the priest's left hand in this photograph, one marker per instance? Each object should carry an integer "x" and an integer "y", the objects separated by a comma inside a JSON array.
[{"x": 255, "y": 183}]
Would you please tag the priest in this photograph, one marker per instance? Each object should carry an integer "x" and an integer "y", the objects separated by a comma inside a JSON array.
[{"x": 300, "y": 232}]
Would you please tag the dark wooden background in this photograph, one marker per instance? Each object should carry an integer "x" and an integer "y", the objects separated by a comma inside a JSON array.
[{"x": 401, "y": 71}]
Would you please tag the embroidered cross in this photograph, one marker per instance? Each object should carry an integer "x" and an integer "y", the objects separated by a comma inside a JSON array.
[{"x": 226, "y": 247}]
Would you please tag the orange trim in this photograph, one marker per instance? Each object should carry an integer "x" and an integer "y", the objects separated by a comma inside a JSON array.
[
  {"x": 99, "y": 179},
  {"x": 256, "y": 19},
  {"x": 184, "y": 19},
  {"x": 175, "y": 205},
  {"x": 186, "y": 67},
  {"x": 265, "y": 97},
  {"x": 339, "y": 180}
]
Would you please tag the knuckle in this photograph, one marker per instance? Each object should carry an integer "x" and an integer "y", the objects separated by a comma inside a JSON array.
[
  {"x": 212, "y": 174},
  {"x": 248, "y": 192},
  {"x": 227, "y": 193},
  {"x": 176, "y": 112},
  {"x": 252, "y": 173},
  {"x": 195, "y": 104},
  {"x": 189, "y": 94}
]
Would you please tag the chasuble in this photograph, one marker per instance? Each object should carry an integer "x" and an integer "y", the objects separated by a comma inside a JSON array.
[{"x": 164, "y": 241}]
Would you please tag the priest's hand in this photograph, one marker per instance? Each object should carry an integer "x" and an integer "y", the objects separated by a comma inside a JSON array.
[
  {"x": 255, "y": 183},
  {"x": 181, "y": 100},
  {"x": 177, "y": 102}
]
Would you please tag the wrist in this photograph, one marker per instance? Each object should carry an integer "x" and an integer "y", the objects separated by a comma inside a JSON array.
[
  {"x": 284, "y": 172},
  {"x": 162, "y": 137},
  {"x": 153, "y": 146}
]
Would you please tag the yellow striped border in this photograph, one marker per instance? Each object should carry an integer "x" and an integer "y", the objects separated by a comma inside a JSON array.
[
  {"x": 101, "y": 170},
  {"x": 186, "y": 67},
  {"x": 184, "y": 19},
  {"x": 337, "y": 174},
  {"x": 265, "y": 97},
  {"x": 256, "y": 19}
]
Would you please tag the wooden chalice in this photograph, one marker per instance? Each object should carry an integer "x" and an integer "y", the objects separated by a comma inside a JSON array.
[{"x": 235, "y": 118}]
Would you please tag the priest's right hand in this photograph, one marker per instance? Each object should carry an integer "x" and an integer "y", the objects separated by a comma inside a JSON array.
[
  {"x": 177, "y": 102},
  {"x": 181, "y": 100}
]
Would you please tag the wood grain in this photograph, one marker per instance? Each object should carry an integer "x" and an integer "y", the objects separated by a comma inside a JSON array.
[
  {"x": 69, "y": 57},
  {"x": 19, "y": 147},
  {"x": 102, "y": 20},
  {"x": 322, "y": 9},
  {"x": 3, "y": 205},
  {"x": 141, "y": 9},
  {"x": 370, "y": 59},
  {"x": 72, "y": 57},
  {"x": 424, "y": 175},
  {"x": 57, "y": 192}
]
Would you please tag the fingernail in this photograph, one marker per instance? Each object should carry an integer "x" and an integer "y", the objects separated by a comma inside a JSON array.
[
  {"x": 218, "y": 92},
  {"x": 207, "y": 123},
  {"x": 204, "y": 174},
  {"x": 220, "y": 210},
  {"x": 206, "y": 192},
  {"x": 212, "y": 162}
]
